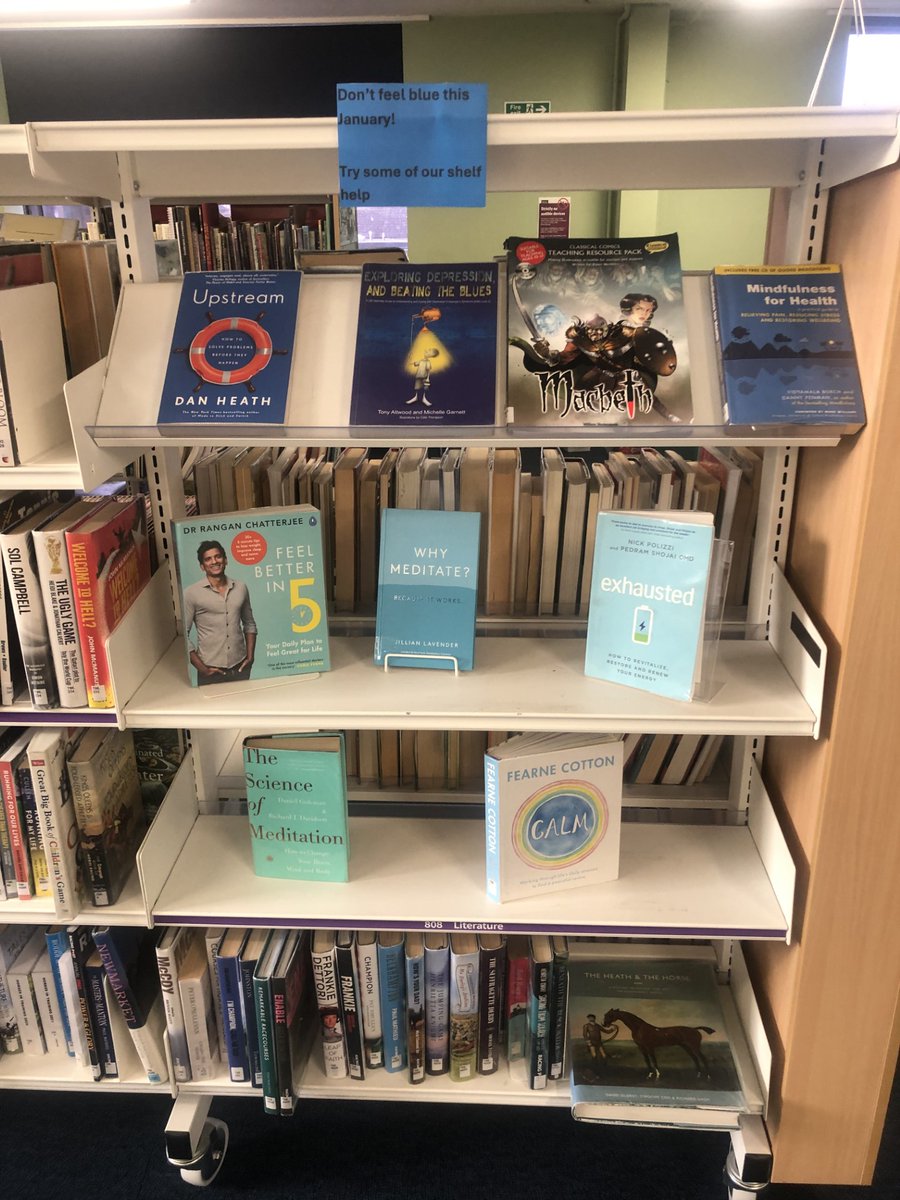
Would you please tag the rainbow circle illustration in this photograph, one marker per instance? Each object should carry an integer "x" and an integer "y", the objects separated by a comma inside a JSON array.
[
  {"x": 560, "y": 825},
  {"x": 261, "y": 358}
]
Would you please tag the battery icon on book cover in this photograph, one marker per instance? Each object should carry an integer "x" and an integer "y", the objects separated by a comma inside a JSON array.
[{"x": 642, "y": 626}]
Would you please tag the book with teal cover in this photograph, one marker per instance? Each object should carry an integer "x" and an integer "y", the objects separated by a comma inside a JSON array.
[
  {"x": 256, "y": 573},
  {"x": 297, "y": 806},
  {"x": 648, "y": 596},
  {"x": 232, "y": 345},
  {"x": 427, "y": 581}
]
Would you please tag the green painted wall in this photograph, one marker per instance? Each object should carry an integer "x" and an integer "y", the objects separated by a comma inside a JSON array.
[{"x": 565, "y": 58}]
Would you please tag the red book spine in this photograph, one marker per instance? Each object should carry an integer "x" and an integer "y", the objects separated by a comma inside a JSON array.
[{"x": 16, "y": 838}]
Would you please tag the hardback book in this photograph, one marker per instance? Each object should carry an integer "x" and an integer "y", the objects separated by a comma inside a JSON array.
[
  {"x": 351, "y": 1014},
  {"x": 20, "y": 565},
  {"x": 648, "y": 600},
  {"x": 12, "y": 746},
  {"x": 559, "y": 1002},
  {"x": 297, "y": 806},
  {"x": 171, "y": 951},
  {"x": 596, "y": 331},
  {"x": 437, "y": 1003},
  {"x": 505, "y": 469},
  {"x": 251, "y": 952},
  {"x": 33, "y": 417},
  {"x": 81, "y": 946},
  {"x": 158, "y": 754},
  {"x": 24, "y": 1001},
  {"x": 786, "y": 353},
  {"x": 464, "y": 958},
  {"x": 106, "y": 792},
  {"x": 253, "y": 595},
  {"x": 370, "y": 997},
  {"x": 56, "y": 583},
  {"x": 265, "y": 1018},
  {"x": 518, "y": 982},
  {"x": 392, "y": 998},
  {"x": 88, "y": 278},
  {"x": 47, "y": 751},
  {"x": 649, "y": 1035},
  {"x": 553, "y": 808},
  {"x": 415, "y": 1005},
  {"x": 426, "y": 345},
  {"x": 323, "y": 953},
  {"x": 199, "y": 1014},
  {"x": 109, "y": 557},
  {"x": 292, "y": 996},
  {"x": 537, "y": 1027},
  {"x": 129, "y": 959},
  {"x": 228, "y": 966},
  {"x": 427, "y": 588},
  {"x": 13, "y": 940},
  {"x": 491, "y": 987},
  {"x": 99, "y": 997},
  {"x": 232, "y": 349},
  {"x": 58, "y": 949}
]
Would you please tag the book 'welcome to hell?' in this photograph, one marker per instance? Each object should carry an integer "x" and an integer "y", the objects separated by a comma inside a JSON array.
[
  {"x": 553, "y": 810},
  {"x": 427, "y": 587},
  {"x": 253, "y": 594},
  {"x": 232, "y": 345},
  {"x": 426, "y": 345},
  {"x": 297, "y": 806},
  {"x": 648, "y": 1034},
  {"x": 786, "y": 353},
  {"x": 596, "y": 332},
  {"x": 648, "y": 597}
]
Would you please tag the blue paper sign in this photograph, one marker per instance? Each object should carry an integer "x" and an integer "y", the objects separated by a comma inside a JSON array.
[{"x": 415, "y": 144}]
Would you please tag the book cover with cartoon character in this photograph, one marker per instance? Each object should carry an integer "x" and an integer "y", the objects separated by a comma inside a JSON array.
[{"x": 426, "y": 345}]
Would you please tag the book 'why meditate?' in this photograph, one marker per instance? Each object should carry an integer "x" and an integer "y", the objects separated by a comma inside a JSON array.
[{"x": 297, "y": 806}]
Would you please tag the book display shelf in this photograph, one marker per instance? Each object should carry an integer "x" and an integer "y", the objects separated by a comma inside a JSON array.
[{"x": 730, "y": 883}]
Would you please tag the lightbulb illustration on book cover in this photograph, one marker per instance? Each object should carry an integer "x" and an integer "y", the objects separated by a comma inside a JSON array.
[{"x": 596, "y": 332}]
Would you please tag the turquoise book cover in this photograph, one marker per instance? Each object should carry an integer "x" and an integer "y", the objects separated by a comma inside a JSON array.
[
  {"x": 252, "y": 594},
  {"x": 297, "y": 806},
  {"x": 392, "y": 995},
  {"x": 427, "y": 580},
  {"x": 648, "y": 595}
]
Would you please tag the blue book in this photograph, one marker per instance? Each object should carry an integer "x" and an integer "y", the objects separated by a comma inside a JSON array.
[
  {"x": 94, "y": 976},
  {"x": 426, "y": 345},
  {"x": 427, "y": 581},
  {"x": 58, "y": 945},
  {"x": 415, "y": 1005},
  {"x": 228, "y": 968},
  {"x": 252, "y": 594},
  {"x": 129, "y": 959},
  {"x": 297, "y": 806},
  {"x": 392, "y": 996},
  {"x": 786, "y": 354},
  {"x": 232, "y": 346},
  {"x": 648, "y": 596},
  {"x": 250, "y": 955},
  {"x": 437, "y": 1003}
]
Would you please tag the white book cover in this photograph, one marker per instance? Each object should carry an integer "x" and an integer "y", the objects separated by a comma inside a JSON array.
[
  {"x": 199, "y": 1015},
  {"x": 13, "y": 939},
  {"x": 324, "y": 967},
  {"x": 213, "y": 937},
  {"x": 21, "y": 989},
  {"x": 171, "y": 951},
  {"x": 553, "y": 809},
  {"x": 369, "y": 999},
  {"x": 45, "y": 995},
  {"x": 56, "y": 818}
]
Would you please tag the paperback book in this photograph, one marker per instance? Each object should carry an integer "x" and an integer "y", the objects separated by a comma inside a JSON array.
[
  {"x": 253, "y": 595},
  {"x": 553, "y": 813},
  {"x": 427, "y": 589},
  {"x": 786, "y": 353},
  {"x": 648, "y": 600},
  {"x": 648, "y": 1035},
  {"x": 426, "y": 345},
  {"x": 297, "y": 806},
  {"x": 232, "y": 346},
  {"x": 596, "y": 332}
]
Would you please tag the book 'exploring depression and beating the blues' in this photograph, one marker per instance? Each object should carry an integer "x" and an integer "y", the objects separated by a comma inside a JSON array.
[
  {"x": 252, "y": 594},
  {"x": 648, "y": 600},
  {"x": 232, "y": 345},
  {"x": 426, "y": 345},
  {"x": 427, "y": 581},
  {"x": 596, "y": 332},
  {"x": 786, "y": 353}
]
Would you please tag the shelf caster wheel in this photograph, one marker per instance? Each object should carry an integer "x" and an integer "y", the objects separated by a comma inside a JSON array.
[
  {"x": 202, "y": 1169},
  {"x": 748, "y": 1166}
]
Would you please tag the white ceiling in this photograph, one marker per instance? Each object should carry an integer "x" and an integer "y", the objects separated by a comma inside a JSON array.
[{"x": 261, "y": 12}]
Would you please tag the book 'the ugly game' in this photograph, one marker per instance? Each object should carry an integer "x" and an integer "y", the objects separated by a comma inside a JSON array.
[
  {"x": 253, "y": 594},
  {"x": 426, "y": 345},
  {"x": 232, "y": 345},
  {"x": 596, "y": 332}
]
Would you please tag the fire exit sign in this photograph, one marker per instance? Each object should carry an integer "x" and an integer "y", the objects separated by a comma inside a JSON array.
[{"x": 526, "y": 106}]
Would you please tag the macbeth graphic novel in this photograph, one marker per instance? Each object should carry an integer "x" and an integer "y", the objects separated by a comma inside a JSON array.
[
  {"x": 426, "y": 345},
  {"x": 596, "y": 332}
]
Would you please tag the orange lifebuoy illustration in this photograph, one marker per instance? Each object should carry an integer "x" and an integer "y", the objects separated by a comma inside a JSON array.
[{"x": 261, "y": 357}]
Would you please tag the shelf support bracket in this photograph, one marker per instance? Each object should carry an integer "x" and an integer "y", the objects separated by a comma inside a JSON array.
[{"x": 134, "y": 226}]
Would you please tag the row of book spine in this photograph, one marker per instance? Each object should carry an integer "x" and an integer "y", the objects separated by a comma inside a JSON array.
[
  {"x": 538, "y": 508},
  {"x": 210, "y": 241}
]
